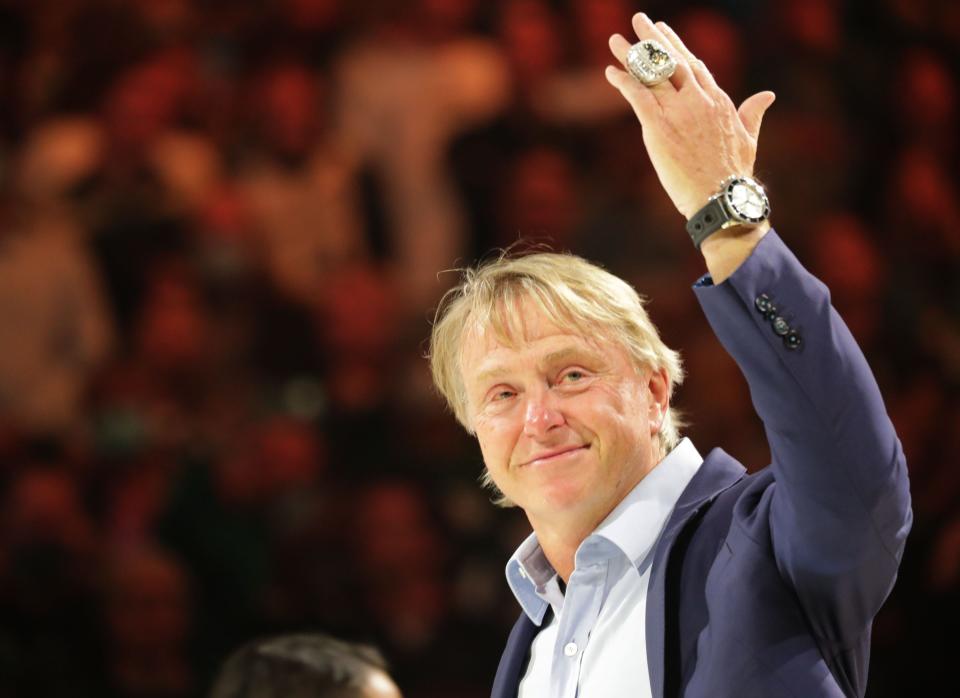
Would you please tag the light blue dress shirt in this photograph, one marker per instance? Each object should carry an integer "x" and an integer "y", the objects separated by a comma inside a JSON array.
[{"x": 594, "y": 645}]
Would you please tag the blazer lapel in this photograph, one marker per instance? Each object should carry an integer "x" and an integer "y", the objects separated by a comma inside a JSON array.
[
  {"x": 514, "y": 657},
  {"x": 718, "y": 472}
]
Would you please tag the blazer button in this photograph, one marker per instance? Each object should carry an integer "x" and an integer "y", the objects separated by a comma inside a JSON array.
[
  {"x": 780, "y": 326},
  {"x": 792, "y": 340},
  {"x": 763, "y": 303}
]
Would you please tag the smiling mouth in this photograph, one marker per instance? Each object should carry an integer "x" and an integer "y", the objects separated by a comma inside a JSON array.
[{"x": 554, "y": 456}]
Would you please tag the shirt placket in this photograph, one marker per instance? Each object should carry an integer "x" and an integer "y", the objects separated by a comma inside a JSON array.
[{"x": 581, "y": 608}]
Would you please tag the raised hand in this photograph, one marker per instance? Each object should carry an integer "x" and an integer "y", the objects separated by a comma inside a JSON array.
[{"x": 693, "y": 133}]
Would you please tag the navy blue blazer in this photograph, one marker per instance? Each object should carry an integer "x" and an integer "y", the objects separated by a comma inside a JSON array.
[{"x": 767, "y": 584}]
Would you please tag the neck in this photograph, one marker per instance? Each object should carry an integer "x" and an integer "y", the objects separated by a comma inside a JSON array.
[{"x": 560, "y": 541}]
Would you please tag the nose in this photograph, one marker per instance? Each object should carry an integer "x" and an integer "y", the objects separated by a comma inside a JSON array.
[{"x": 541, "y": 415}]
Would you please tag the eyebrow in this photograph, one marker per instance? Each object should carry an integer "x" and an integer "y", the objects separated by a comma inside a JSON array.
[{"x": 568, "y": 353}]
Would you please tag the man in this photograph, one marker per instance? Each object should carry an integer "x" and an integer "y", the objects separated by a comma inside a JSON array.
[
  {"x": 652, "y": 571},
  {"x": 304, "y": 666}
]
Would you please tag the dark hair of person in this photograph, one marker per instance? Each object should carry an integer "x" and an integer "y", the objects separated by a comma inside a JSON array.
[{"x": 297, "y": 666}]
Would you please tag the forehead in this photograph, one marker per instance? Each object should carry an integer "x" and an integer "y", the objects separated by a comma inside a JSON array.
[{"x": 485, "y": 349}]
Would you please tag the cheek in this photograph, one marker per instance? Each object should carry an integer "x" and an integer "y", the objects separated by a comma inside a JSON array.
[
  {"x": 487, "y": 449},
  {"x": 634, "y": 403},
  {"x": 610, "y": 405},
  {"x": 619, "y": 417},
  {"x": 497, "y": 438}
]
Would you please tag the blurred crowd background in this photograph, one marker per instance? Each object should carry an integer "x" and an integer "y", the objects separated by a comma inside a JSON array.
[{"x": 221, "y": 227}]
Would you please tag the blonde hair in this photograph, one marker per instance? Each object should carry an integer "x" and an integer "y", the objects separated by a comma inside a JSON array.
[{"x": 574, "y": 294}]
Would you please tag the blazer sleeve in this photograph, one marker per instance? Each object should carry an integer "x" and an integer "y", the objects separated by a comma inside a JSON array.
[{"x": 838, "y": 512}]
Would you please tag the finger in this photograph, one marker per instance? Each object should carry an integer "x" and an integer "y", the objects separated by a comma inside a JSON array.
[
  {"x": 752, "y": 110},
  {"x": 619, "y": 47},
  {"x": 646, "y": 29},
  {"x": 705, "y": 78},
  {"x": 698, "y": 68},
  {"x": 641, "y": 98},
  {"x": 673, "y": 39}
]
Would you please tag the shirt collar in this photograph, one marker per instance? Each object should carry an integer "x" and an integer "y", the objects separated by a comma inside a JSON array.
[
  {"x": 636, "y": 522},
  {"x": 529, "y": 575},
  {"x": 633, "y": 527}
]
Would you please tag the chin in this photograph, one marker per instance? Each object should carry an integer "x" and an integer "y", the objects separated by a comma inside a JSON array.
[{"x": 559, "y": 497}]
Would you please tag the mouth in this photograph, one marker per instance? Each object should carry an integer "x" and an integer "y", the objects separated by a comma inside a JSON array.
[{"x": 554, "y": 456}]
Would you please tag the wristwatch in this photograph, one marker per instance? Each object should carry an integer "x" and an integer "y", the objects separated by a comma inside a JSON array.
[{"x": 740, "y": 200}]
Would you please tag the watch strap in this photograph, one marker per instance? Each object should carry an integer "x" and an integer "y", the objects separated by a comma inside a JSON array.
[{"x": 707, "y": 221}]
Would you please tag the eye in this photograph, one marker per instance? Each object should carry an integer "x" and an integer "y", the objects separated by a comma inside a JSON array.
[
  {"x": 572, "y": 376},
  {"x": 502, "y": 394}
]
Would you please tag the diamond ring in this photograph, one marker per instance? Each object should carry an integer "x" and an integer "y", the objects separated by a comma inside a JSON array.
[{"x": 649, "y": 62}]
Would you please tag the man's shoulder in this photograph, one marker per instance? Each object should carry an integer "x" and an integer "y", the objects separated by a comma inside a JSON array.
[
  {"x": 720, "y": 475},
  {"x": 728, "y": 493},
  {"x": 737, "y": 514}
]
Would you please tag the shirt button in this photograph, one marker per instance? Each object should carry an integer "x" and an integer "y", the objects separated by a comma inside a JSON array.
[
  {"x": 763, "y": 302},
  {"x": 570, "y": 649},
  {"x": 780, "y": 326}
]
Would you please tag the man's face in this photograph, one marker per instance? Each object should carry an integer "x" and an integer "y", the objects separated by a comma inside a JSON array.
[{"x": 566, "y": 423}]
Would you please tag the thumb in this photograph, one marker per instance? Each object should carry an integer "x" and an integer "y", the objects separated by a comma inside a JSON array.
[{"x": 752, "y": 110}]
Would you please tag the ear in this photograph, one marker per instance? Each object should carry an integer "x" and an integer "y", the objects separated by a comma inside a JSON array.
[{"x": 659, "y": 395}]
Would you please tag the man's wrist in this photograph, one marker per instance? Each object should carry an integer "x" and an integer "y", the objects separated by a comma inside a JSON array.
[
  {"x": 725, "y": 250},
  {"x": 740, "y": 201}
]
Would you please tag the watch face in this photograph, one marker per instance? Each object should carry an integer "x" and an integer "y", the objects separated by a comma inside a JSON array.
[{"x": 747, "y": 200}]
